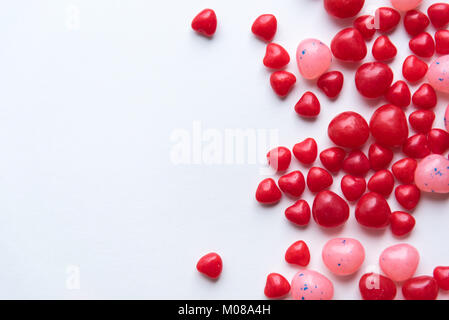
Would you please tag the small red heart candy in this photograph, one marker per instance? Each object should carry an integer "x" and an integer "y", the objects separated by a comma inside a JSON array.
[
  {"x": 408, "y": 196},
  {"x": 331, "y": 83},
  {"x": 421, "y": 120},
  {"x": 402, "y": 223},
  {"x": 415, "y": 22},
  {"x": 439, "y": 14},
  {"x": 318, "y": 179},
  {"x": 210, "y": 265},
  {"x": 399, "y": 94},
  {"x": 388, "y": 19},
  {"x": 373, "y": 211},
  {"x": 343, "y": 8},
  {"x": 423, "y": 45},
  {"x": 438, "y": 141},
  {"x": 349, "y": 130},
  {"x": 404, "y": 170},
  {"x": 298, "y": 213},
  {"x": 356, "y": 163},
  {"x": 425, "y": 97},
  {"x": 298, "y": 253},
  {"x": 279, "y": 158},
  {"x": 308, "y": 106},
  {"x": 276, "y": 286},
  {"x": 375, "y": 286},
  {"x": 282, "y": 82},
  {"x": 420, "y": 288},
  {"x": 292, "y": 183},
  {"x": 442, "y": 41},
  {"x": 265, "y": 26},
  {"x": 353, "y": 187},
  {"x": 365, "y": 25},
  {"x": 416, "y": 146},
  {"x": 441, "y": 275},
  {"x": 329, "y": 209},
  {"x": 276, "y": 57},
  {"x": 373, "y": 79},
  {"x": 383, "y": 49},
  {"x": 349, "y": 45},
  {"x": 382, "y": 182},
  {"x": 267, "y": 192},
  {"x": 379, "y": 157},
  {"x": 306, "y": 151},
  {"x": 414, "y": 69},
  {"x": 205, "y": 22},
  {"x": 332, "y": 158},
  {"x": 389, "y": 126}
]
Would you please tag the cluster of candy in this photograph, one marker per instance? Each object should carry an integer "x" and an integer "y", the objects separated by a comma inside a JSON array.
[{"x": 349, "y": 131}]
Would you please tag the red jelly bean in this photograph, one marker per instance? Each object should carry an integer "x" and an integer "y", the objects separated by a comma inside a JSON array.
[
  {"x": 388, "y": 126},
  {"x": 373, "y": 79},
  {"x": 356, "y": 163},
  {"x": 348, "y": 130},
  {"x": 308, "y": 106},
  {"x": 439, "y": 14},
  {"x": 318, "y": 179},
  {"x": 343, "y": 8},
  {"x": 415, "y": 22},
  {"x": 375, "y": 286},
  {"x": 365, "y": 25},
  {"x": 420, "y": 288},
  {"x": 276, "y": 57},
  {"x": 388, "y": 18},
  {"x": 399, "y": 94},
  {"x": 279, "y": 158},
  {"x": 331, "y": 83},
  {"x": 353, "y": 187},
  {"x": 416, "y": 146},
  {"x": 293, "y": 183},
  {"x": 282, "y": 82},
  {"x": 382, "y": 182},
  {"x": 329, "y": 209},
  {"x": 306, "y": 151},
  {"x": 438, "y": 141},
  {"x": 332, "y": 158},
  {"x": 442, "y": 41},
  {"x": 383, "y": 49},
  {"x": 205, "y": 22},
  {"x": 425, "y": 97},
  {"x": 408, "y": 196},
  {"x": 373, "y": 211},
  {"x": 423, "y": 45},
  {"x": 298, "y": 213},
  {"x": 441, "y": 275},
  {"x": 404, "y": 170},
  {"x": 349, "y": 45},
  {"x": 298, "y": 253},
  {"x": 379, "y": 157},
  {"x": 265, "y": 26},
  {"x": 276, "y": 286},
  {"x": 421, "y": 120},
  {"x": 210, "y": 265},
  {"x": 402, "y": 223},
  {"x": 414, "y": 69},
  {"x": 267, "y": 192}
]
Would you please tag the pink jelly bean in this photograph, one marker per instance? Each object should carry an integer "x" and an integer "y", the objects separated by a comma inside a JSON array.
[
  {"x": 399, "y": 262},
  {"x": 311, "y": 285},
  {"x": 446, "y": 118},
  {"x": 432, "y": 174},
  {"x": 405, "y": 5},
  {"x": 343, "y": 256},
  {"x": 313, "y": 57},
  {"x": 438, "y": 74}
]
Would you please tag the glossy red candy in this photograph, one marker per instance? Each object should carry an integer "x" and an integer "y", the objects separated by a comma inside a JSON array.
[
  {"x": 331, "y": 83},
  {"x": 267, "y": 192},
  {"x": 318, "y": 179},
  {"x": 415, "y": 22},
  {"x": 423, "y": 45},
  {"x": 399, "y": 94},
  {"x": 332, "y": 158},
  {"x": 420, "y": 288},
  {"x": 404, "y": 170},
  {"x": 425, "y": 97},
  {"x": 389, "y": 126},
  {"x": 439, "y": 14},
  {"x": 279, "y": 158},
  {"x": 329, "y": 209},
  {"x": 408, "y": 196},
  {"x": 292, "y": 183},
  {"x": 438, "y": 140},
  {"x": 353, "y": 187},
  {"x": 373, "y": 211},
  {"x": 343, "y": 8},
  {"x": 276, "y": 286},
  {"x": 349, "y": 45},
  {"x": 356, "y": 163},
  {"x": 265, "y": 27},
  {"x": 442, "y": 41},
  {"x": 306, "y": 151},
  {"x": 282, "y": 82},
  {"x": 308, "y": 106},
  {"x": 388, "y": 18},
  {"x": 365, "y": 25},
  {"x": 441, "y": 275},
  {"x": 210, "y": 265},
  {"x": 416, "y": 146},
  {"x": 414, "y": 69},
  {"x": 382, "y": 182},
  {"x": 205, "y": 22},
  {"x": 375, "y": 286},
  {"x": 383, "y": 49},
  {"x": 276, "y": 57},
  {"x": 298, "y": 253},
  {"x": 373, "y": 79},
  {"x": 421, "y": 120},
  {"x": 298, "y": 213},
  {"x": 401, "y": 223},
  {"x": 379, "y": 157},
  {"x": 349, "y": 130}
]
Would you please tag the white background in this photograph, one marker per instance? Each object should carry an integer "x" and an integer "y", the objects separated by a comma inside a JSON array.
[{"x": 86, "y": 178}]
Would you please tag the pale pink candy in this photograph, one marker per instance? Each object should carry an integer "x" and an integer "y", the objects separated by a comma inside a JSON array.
[
  {"x": 311, "y": 285},
  {"x": 438, "y": 74},
  {"x": 399, "y": 262},
  {"x": 343, "y": 256},
  {"x": 405, "y": 5},
  {"x": 446, "y": 118},
  {"x": 313, "y": 57},
  {"x": 432, "y": 174}
]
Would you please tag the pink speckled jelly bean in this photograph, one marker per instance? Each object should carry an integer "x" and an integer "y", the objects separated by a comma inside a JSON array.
[
  {"x": 438, "y": 74},
  {"x": 432, "y": 174},
  {"x": 399, "y": 262},
  {"x": 446, "y": 118},
  {"x": 311, "y": 285},
  {"x": 313, "y": 57},
  {"x": 343, "y": 256},
  {"x": 405, "y": 5}
]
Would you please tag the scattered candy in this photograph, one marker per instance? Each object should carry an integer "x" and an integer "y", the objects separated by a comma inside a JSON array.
[
  {"x": 267, "y": 192},
  {"x": 414, "y": 69},
  {"x": 438, "y": 141},
  {"x": 329, "y": 209},
  {"x": 299, "y": 213},
  {"x": 343, "y": 8},
  {"x": 399, "y": 262},
  {"x": 331, "y": 83},
  {"x": 399, "y": 94},
  {"x": 292, "y": 184},
  {"x": 356, "y": 163},
  {"x": 282, "y": 82},
  {"x": 279, "y": 158},
  {"x": 382, "y": 182},
  {"x": 205, "y": 23},
  {"x": 421, "y": 120},
  {"x": 402, "y": 223},
  {"x": 318, "y": 179},
  {"x": 298, "y": 253},
  {"x": 343, "y": 256},
  {"x": 373, "y": 211},
  {"x": 373, "y": 79},
  {"x": 416, "y": 146},
  {"x": 438, "y": 76},
  {"x": 349, "y": 45},
  {"x": 379, "y": 157},
  {"x": 408, "y": 196},
  {"x": 353, "y": 187},
  {"x": 432, "y": 174},
  {"x": 210, "y": 265},
  {"x": 441, "y": 275},
  {"x": 265, "y": 27},
  {"x": 365, "y": 25},
  {"x": 375, "y": 286},
  {"x": 415, "y": 22},
  {"x": 306, "y": 151},
  {"x": 388, "y": 126},
  {"x": 388, "y": 19},
  {"x": 311, "y": 285},
  {"x": 349, "y": 130},
  {"x": 439, "y": 14},
  {"x": 383, "y": 49},
  {"x": 313, "y": 57},
  {"x": 308, "y": 106},
  {"x": 442, "y": 41},
  {"x": 276, "y": 286},
  {"x": 405, "y": 5},
  {"x": 420, "y": 288},
  {"x": 404, "y": 170},
  {"x": 276, "y": 57},
  {"x": 332, "y": 158}
]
